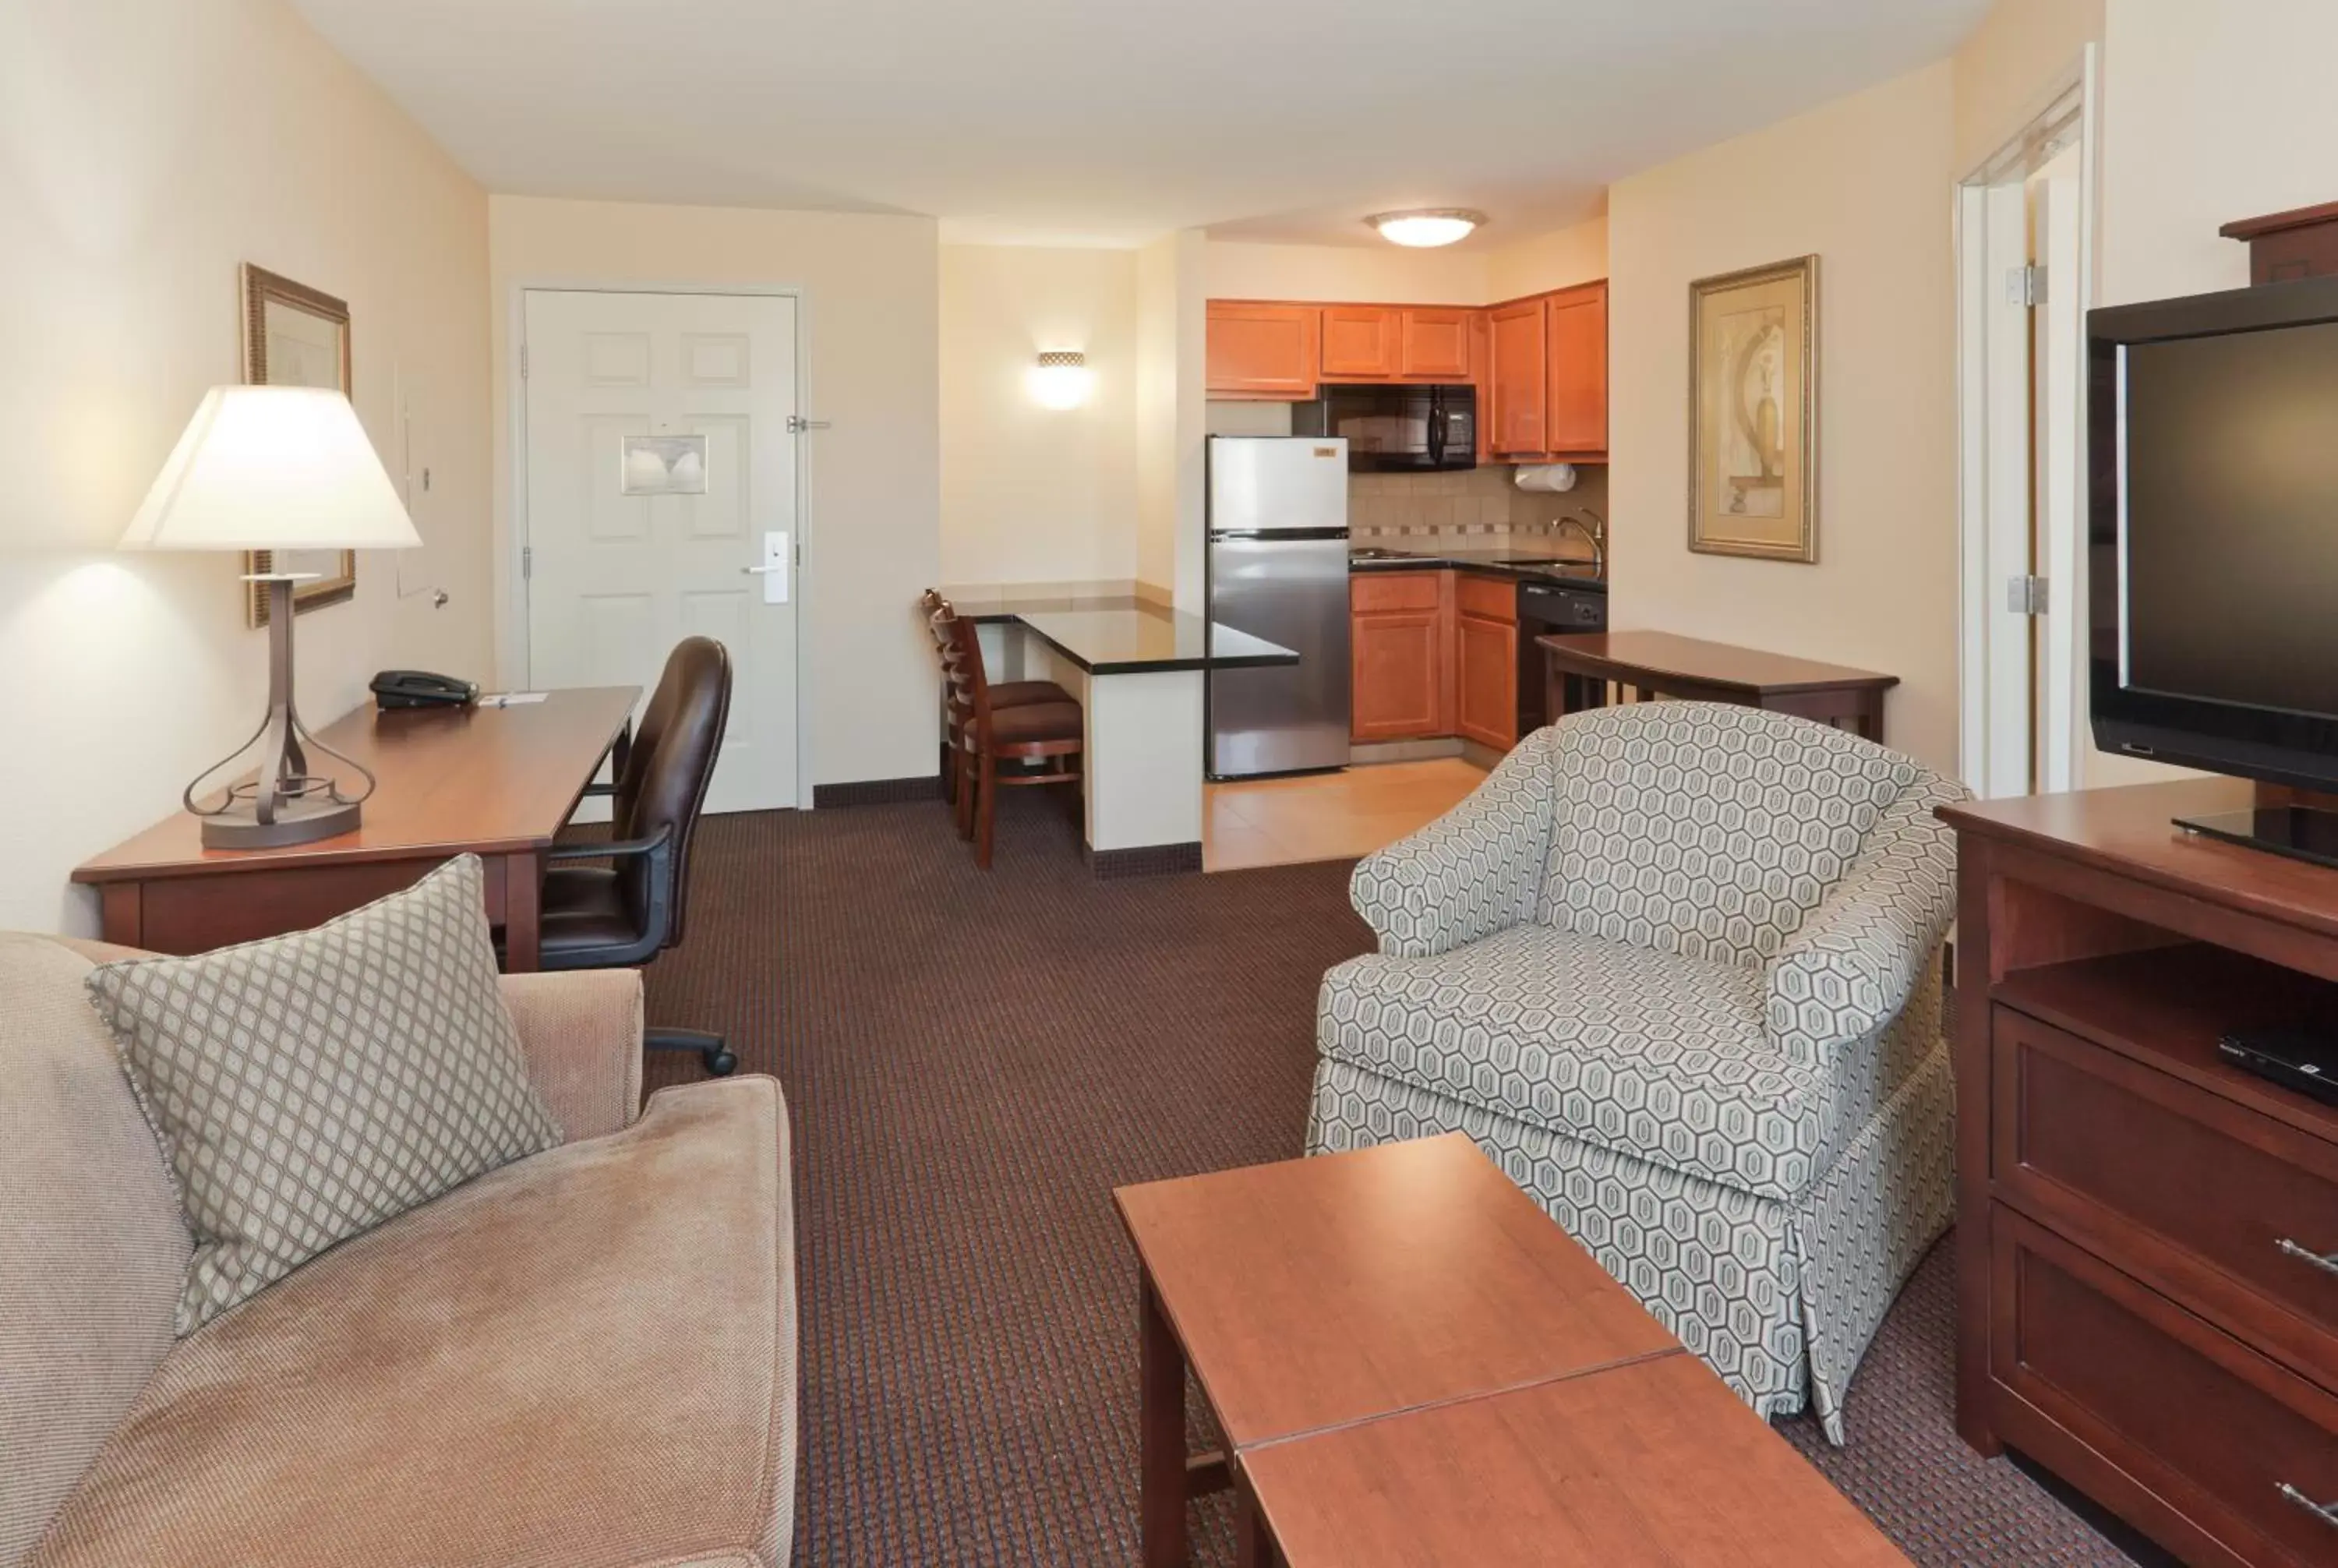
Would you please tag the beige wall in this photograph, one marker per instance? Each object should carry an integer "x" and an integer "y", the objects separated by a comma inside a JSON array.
[
  {"x": 871, "y": 326},
  {"x": 1388, "y": 274},
  {"x": 146, "y": 150},
  {"x": 1864, "y": 183},
  {"x": 1171, "y": 415},
  {"x": 2020, "y": 57},
  {"x": 1030, "y": 494},
  {"x": 1374, "y": 273},
  {"x": 2210, "y": 113},
  {"x": 1562, "y": 258}
]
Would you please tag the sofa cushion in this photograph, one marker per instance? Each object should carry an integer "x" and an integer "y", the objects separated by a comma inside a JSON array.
[
  {"x": 1635, "y": 1050},
  {"x": 582, "y": 1360},
  {"x": 308, "y": 1087},
  {"x": 1706, "y": 830},
  {"x": 92, "y": 1249}
]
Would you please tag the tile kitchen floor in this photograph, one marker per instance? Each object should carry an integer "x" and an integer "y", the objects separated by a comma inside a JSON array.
[{"x": 1327, "y": 816}]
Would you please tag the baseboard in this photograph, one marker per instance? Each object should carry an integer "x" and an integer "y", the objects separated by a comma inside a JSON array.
[
  {"x": 1152, "y": 860},
  {"x": 1367, "y": 753},
  {"x": 877, "y": 791}
]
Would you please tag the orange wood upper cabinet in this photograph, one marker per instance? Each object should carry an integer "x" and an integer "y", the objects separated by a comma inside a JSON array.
[
  {"x": 1577, "y": 381},
  {"x": 1436, "y": 343},
  {"x": 1262, "y": 351},
  {"x": 1519, "y": 375},
  {"x": 1363, "y": 342}
]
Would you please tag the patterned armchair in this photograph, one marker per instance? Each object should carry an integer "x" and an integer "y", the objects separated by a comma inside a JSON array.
[{"x": 1676, "y": 967}]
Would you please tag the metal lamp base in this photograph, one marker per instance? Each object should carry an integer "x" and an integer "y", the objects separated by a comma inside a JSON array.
[
  {"x": 285, "y": 803},
  {"x": 296, "y": 822}
]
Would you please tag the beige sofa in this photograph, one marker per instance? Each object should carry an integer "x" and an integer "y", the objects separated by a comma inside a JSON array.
[{"x": 583, "y": 1360}]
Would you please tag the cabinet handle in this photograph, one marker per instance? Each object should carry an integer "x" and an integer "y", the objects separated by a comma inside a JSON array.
[
  {"x": 2325, "y": 1512},
  {"x": 2325, "y": 1261}
]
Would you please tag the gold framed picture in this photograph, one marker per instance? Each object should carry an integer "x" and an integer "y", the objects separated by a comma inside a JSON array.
[
  {"x": 1754, "y": 443},
  {"x": 294, "y": 335}
]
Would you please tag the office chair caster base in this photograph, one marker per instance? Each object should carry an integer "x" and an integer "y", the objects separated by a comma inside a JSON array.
[{"x": 713, "y": 1052}]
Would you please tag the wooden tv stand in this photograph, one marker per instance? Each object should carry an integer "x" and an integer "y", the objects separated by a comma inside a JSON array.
[{"x": 2147, "y": 1236}]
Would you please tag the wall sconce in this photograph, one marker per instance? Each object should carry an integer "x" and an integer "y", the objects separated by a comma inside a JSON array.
[{"x": 1061, "y": 379}]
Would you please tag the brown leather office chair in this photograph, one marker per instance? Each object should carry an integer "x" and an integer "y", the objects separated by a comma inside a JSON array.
[{"x": 626, "y": 913}]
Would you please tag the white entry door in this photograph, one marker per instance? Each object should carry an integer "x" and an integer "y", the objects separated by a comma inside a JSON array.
[{"x": 662, "y": 495}]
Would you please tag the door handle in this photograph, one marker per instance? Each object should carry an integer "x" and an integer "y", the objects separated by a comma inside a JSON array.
[{"x": 774, "y": 569}]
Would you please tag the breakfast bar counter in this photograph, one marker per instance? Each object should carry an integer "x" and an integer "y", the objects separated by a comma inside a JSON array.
[{"x": 1140, "y": 670}]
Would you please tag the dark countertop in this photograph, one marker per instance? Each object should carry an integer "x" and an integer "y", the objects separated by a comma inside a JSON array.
[
  {"x": 1538, "y": 565},
  {"x": 1113, "y": 635}
]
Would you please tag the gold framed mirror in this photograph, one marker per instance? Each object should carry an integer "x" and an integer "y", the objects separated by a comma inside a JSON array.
[{"x": 294, "y": 335}]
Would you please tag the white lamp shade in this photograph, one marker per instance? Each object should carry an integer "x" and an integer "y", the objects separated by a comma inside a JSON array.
[{"x": 272, "y": 468}]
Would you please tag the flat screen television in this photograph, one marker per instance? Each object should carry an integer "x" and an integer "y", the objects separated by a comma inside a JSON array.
[{"x": 2213, "y": 542}]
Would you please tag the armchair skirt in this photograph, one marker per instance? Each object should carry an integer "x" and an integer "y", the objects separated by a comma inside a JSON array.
[{"x": 1677, "y": 967}]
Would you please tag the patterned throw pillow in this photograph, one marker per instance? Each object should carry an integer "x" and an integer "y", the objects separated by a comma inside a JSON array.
[{"x": 307, "y": 1088}]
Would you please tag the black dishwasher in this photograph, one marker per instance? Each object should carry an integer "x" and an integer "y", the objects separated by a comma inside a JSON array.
[{"x": 1550, "y": 607}]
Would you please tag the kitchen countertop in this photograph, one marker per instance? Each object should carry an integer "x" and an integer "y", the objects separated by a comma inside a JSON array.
[
  {"x": 1538, "y": 565},
  {"x": 1113, "y": 635}
]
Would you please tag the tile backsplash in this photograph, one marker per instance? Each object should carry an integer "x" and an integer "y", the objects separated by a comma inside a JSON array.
[{"x": 1478, "y": 504}]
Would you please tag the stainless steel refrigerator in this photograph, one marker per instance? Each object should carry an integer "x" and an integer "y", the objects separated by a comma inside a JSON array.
[{"x": 1278, "y": 569}]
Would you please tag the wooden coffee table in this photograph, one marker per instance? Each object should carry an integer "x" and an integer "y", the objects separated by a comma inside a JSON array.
[{"x": 1391, "y": 1338}]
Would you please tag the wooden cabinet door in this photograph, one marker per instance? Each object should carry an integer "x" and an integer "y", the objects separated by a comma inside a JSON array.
[
  {"x": 1519, "y": 372},
  {"x": 1576, "y": 418},
  {"x": 1361, "y": 342},
  {"x": 1398, "y": 655},
  {"x": 1262, "y": 351},
  {"x": 1437, "y": 344},
  {"x": 1486, "y": 688}
]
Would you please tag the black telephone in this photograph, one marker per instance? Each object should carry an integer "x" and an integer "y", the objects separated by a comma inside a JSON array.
[{"x": 421, "y": 689}]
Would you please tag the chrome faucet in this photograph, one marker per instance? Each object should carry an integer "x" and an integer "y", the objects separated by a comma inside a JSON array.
[{"x": 1595, "y": 533}]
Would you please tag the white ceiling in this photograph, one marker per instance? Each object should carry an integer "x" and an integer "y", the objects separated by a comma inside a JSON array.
[{"x": 1103, "y": 122}]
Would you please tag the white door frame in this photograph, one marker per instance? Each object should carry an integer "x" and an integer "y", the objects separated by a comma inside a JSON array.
[
  {"x": 518, "y": 641},
  {"x": 2072, "y": 108}
]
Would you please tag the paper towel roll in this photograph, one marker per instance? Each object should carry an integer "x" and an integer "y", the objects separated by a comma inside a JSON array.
[{"x": 1546, "y": 476}]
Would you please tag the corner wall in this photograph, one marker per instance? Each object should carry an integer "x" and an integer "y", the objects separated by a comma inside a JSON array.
[
  {"x": 872, "y": 333},
  {"x": 1172, "y": 413},
  {"x": 1864, "y": 183},
  {"x": 1028, "y": 494},
  {"x": 145, "y": 152}
]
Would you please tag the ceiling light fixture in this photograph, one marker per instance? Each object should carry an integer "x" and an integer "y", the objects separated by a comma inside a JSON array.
[
  {"x": 1426, "y": 226},
  {"x": 1061, "y": 379}
]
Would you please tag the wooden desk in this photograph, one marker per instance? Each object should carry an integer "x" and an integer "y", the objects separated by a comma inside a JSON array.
[
  {"x": 1579, "y": 663},
  {"x": 1387, "y": 1303},
  {"x": 494, "y": 782}
]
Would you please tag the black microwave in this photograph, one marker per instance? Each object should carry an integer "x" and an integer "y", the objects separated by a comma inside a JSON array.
[{"x": 1418, "y": 430}]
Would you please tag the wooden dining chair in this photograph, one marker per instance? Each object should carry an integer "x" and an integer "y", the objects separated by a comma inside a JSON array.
[
  {"x": 1005, "y": 694},
  {"x": 1037, "y": 742}
]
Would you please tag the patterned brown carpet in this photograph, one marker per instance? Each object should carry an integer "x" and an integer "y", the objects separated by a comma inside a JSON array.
[{"x": 973, "y": 1061}]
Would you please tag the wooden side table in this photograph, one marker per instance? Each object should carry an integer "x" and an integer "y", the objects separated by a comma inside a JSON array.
[{"x": 1580, "y": 664}]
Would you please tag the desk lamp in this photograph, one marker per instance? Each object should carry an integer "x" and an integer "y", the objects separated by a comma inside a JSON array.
[{"x": 275, "y": 468}]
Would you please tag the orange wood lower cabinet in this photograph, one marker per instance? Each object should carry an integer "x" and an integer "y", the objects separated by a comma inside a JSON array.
[
  {"x": 1434, "y": 655},
  {"x": 1486, "y": 683},
  {"x": 1400, "y": 667}
]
